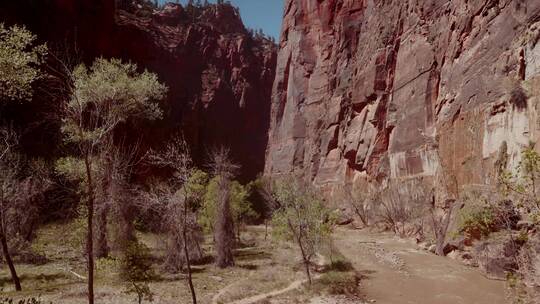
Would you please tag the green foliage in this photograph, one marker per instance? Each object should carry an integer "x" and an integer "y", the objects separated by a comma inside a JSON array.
[
  {"x": 523, "y": 236},
  {"x": 302, "y": 216},
  {"x": 476, "y": 221},
  {"x": 106, "y": 94},
  {"x": 195, "y": 187},
  {"x": 137, "y": 263},
  {"x": 20, "y": 59},
  {"x": 108, "y": 264},
  {"x": 522, "y": 186},
  {"x": 207, "y": 213},
  {"x": 137, "y": 270},
  {"x": 71, "y": 168},
  {"x": 240, "y": 205},
  {"x": 78, "y": 229},
  {"x": 142, "y": 290}
]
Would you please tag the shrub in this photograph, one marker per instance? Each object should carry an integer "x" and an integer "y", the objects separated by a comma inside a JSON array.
[
  {"x": 476, "y": 221},
  {"x": 23, "y": 252},
  {"x": 137, "y": 270},
  {"x": 341, "y": 265},
  {"x": 339, "y": 282},
  {"x": 136, "y": 265}
]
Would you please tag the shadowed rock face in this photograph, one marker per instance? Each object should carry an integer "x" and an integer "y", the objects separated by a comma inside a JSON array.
[
  {"x": 219, "y": 76},
  {"x": 369, "y": 90}
]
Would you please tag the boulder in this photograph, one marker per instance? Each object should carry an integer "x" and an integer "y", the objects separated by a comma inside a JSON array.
[
  {"x": 497, "y": 256},
  {"x": 449, "y": 247}
]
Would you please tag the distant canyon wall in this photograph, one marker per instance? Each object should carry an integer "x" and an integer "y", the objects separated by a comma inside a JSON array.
[
  {"x": 368, "y": 91},
  {"x": 219, "y": 75}
]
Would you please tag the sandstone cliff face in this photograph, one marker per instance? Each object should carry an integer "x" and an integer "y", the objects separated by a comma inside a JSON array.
[
  {"x": 219, "y": 75},
  {"x": 372, "y": 90},
  {"x": 220, "y": 78}
]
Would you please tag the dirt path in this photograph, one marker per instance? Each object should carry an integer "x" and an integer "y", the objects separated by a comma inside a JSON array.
[
  {"x": 397, "y": 272},
  {"x": 254, "y": 299}
]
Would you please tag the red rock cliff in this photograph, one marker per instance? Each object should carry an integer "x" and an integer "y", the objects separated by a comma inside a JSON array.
[{"x": 371, "y": 90}]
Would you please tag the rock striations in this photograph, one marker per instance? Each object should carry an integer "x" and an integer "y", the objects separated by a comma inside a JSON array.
[{"x": 372, "y": 90}]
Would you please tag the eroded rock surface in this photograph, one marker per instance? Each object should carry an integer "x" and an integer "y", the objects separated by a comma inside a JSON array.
[{"x": 372, "y": 90}]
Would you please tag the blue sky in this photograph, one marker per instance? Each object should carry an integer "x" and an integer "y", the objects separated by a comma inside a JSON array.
[{"x": 264, "y": 14}]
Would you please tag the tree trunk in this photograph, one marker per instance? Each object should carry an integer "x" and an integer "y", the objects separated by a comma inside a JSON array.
[
  {"x": 186, "y": 253},
  {"x": 101, "y": 246},
  {"x": 224, "y": 230},
  {"x": 5, "y": 249},
  {"x": 104, "y": 196},
  {"x": 239, "y": 242},
  {"x": 90, "y": 232},
  {"x": 298, "y": 238},
  {"x": 306, "y": 261},
  {"x": 265, "y": 229},
  {"x": 9, "y": 261}
]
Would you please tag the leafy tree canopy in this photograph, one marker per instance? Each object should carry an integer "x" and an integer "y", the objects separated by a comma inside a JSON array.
[
  {"x": 108, "y": 93},
  {"x": 20, "y": 59}
]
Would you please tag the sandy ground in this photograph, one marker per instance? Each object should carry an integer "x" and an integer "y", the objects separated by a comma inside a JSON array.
[{"x": 397, "y": 272}]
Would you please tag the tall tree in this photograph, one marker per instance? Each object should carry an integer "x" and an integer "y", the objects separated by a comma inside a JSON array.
[
  {"x": 9, "y": 163},
  {"x": 224, "y": 169},
  {"x": 103, "y": 96},
  {"x": 20, "y": 60},
  {"x": 176, "y": 201},
  {"x": 301, "y": 217}
]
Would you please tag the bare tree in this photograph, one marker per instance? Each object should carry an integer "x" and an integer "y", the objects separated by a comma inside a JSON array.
[
  {"x": 440, "y": 221},
  {"x": 360, "y": 202},
  {"x": 8, "y": 166},
  {"x": 395, "y": 211},
  {"x": 175, "y": 203},
  {"x": 115, "y": 195},
  {"x": 22, "y": 183},
  {"x": 402, "y": 206},
  {"x": 224, "y": 169}
]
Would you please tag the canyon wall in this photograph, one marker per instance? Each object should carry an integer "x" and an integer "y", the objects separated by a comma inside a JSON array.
[
  {"x": 219, "y": 74},
  {"x": 369, "y": 91}
]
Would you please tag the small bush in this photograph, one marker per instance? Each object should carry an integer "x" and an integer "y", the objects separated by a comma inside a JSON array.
[
  {"x": 107, "y": 264},
  {"x": 518, "y": 97},
  {"x": 137, "y": 270},
  {"x": 23, "y": 252},
  {"x": 340, "y": 265},
  {"x": 477, "y": 222},
  {"x": 136, "y": 264},
  {"x": 339, "y": 282}
]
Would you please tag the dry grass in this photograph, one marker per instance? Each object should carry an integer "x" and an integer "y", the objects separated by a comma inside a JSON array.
[{"x": 262, "y": 267}]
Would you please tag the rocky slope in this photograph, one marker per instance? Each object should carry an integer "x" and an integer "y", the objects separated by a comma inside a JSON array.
[
  {"x": 219, "y": 75},
  {"x": 372, "y": 90}
]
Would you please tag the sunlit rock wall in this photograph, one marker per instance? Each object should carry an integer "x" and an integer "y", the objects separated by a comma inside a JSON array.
[{"x": 372, "y": 90}]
